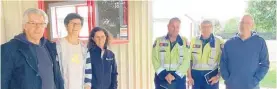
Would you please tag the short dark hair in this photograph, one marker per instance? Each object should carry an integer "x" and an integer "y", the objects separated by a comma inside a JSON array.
[
  {"x": 72, "y": 16},
  {"x": 92, "y": 43}
]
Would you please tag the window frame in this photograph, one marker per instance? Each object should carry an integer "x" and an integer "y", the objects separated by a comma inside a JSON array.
[{"x": 91, "y": 18}]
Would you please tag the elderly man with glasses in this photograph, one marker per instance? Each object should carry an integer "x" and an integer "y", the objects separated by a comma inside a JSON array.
[{"x": 28, "y": 61}]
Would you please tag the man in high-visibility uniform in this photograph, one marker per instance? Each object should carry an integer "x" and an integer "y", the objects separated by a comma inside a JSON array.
[
  {"x": 205, "y": 55},
  {"x": 171, "y": 58}
]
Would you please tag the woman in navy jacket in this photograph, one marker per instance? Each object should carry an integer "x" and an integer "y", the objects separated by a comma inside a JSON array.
[{"x": 101, "y": 68}]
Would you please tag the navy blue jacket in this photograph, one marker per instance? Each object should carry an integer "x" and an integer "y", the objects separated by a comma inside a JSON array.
[
  {"x": 103, "y": 70},
  {"x": 19, "y": 68}
]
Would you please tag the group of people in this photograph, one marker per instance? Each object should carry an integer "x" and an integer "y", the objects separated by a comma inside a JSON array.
[
  {"x": 30, "y": 61},
  {"x": 242, "y": 61}
]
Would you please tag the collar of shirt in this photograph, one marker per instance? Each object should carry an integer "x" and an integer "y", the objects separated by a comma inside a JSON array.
[
  {"x": 211, "y": 39},
  {"x": 102, "y": 54},
  {"x": 253, "y": 33},
  {"x": 178, "y": 39}
]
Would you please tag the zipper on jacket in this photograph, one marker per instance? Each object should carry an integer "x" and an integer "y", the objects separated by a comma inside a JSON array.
[
  {"x": 102, "y": 58},
  {"x": 111, "y": 69}
]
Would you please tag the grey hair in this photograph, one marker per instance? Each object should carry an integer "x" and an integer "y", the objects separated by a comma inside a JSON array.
[
  {"x": 207, "y": 22},
  {"x": 34, "y": 11},
  {"x": 174, "y": 19}
]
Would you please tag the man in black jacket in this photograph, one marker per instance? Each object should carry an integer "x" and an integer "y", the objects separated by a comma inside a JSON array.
[{"x": 29, "y": 60}]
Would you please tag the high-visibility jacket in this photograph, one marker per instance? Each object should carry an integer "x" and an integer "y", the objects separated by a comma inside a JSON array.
[
  {"x": 165, "y": 59},
  {"x": 209, "y": 57}
]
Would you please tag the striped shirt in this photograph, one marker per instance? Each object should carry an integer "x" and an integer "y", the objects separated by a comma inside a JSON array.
[{"x": 88, "y": 70}]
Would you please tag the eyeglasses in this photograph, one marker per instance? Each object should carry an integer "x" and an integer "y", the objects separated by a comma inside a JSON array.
[
  {"x": 37, "y": 24},
  {"x": 75, "y": 24}
]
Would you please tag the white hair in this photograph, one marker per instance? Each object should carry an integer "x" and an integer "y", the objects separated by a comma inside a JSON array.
[
  {"x": 34, "y": 11},
  {"x": 206, "y": 21}
]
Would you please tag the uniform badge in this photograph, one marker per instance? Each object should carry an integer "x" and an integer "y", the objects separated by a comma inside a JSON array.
[{"x": 196, "y": 46}]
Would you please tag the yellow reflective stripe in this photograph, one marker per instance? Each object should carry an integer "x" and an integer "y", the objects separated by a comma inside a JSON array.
[
  {"x": 162, "y": 53},
  {"x": 171, "y": 66},
  {"x": 204, "y": 66},
  {"x": 162, "y": 58},
  {"x": 181, "y": 54},
  {"x": 212, "y": 60},
  {"x": 196, "y": 54},
  {"x": 213, "y": 51}
]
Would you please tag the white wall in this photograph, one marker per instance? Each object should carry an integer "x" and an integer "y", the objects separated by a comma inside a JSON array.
[
  {"x": 3, "y": 36},
  {"x": 134, "y": 58},
  {"x": 12, "y": 13}
]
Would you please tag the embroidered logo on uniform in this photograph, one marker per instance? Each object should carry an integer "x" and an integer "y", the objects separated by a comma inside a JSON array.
[
  {"x": 196, "y": 46},
  {"x": 163, "y": 44},
  {"x": 109, "y": 59}
]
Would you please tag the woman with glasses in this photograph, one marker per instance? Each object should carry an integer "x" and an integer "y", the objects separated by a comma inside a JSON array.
[{"x": 71, "y": 52}]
